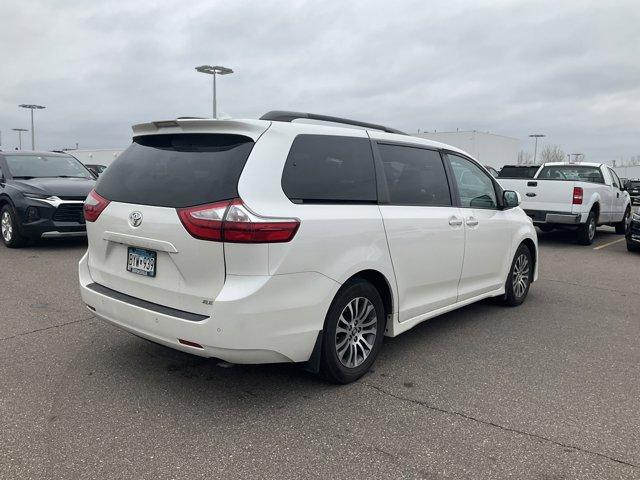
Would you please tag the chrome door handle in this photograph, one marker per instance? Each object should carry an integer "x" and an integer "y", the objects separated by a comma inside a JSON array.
[
  {"x": 455, "y": 221},
  {"x": 472, "y": 222}
]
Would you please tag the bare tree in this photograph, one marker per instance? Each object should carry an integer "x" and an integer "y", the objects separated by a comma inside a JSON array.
[
  {"x": 524, "y": 158},
  {"x": 552, "y": 153}
]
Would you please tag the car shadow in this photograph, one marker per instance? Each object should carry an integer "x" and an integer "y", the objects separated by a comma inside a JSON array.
[
  {"x": 568, "y": 237},
  {"x": 56, "y": 243}
]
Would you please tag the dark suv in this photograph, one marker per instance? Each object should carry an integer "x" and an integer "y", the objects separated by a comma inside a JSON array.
[
  {"x": 41, "y": 196},
  {"x": 633, "y": 187}
]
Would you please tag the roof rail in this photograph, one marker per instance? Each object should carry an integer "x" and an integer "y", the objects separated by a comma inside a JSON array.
[{"x": 285, "y": 116}]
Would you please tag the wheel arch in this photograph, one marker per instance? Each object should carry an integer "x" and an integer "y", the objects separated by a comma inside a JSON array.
[{"x": 381, "y": 283}]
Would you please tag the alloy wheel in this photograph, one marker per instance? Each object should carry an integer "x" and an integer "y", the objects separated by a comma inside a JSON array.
[
  {"x": 356, "y": 332},
  {"x": 6, "y": 226},
  {"x": 592, "y": 228},
  {"x": 521, "y": 275}
]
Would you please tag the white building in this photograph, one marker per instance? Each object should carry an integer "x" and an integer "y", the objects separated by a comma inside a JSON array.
[
  {"x": 102, "y": 156},
  {"x": 488, "y": 148}
]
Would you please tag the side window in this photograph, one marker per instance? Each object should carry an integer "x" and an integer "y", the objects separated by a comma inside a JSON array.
[
  {"x": 414, "y": 176},
  {"x": 330, "y": 168},
  {"x": 475, "y": 187},
  {"x": 616, "y": 179}
]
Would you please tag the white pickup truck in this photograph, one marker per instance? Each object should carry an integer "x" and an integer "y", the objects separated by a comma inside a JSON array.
[{"x": 577, "y": 196}]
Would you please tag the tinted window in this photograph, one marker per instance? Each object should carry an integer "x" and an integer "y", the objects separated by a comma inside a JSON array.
[
  {"x": 634, "y": 184},
  {"x": 475, "y": 187},
  {"x": 327, "y": 168},
  {"x": 517, "y": 172},
  {"x": 414, "y": 176},
  {"x": 41, "y": 166},
  {"x": 178, "y": 170},
  {"x": 572, "y": 172}
]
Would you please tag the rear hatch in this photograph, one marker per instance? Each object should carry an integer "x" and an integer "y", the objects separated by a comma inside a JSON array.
[{"x": 138, "y": 244}]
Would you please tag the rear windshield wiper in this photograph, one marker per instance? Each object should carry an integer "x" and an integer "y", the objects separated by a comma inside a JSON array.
[
  {"x": 22, "y": 177},
  {"x": 68, "y": 176}
]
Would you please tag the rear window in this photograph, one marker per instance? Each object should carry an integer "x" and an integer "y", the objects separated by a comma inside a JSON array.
[
  {"x": 517, "y": 172},
  {"x": 329, "y": 168},
  {"x": 575, "y": 173},
  {"x": 634, "y": 184},
  {"x": 179, "y": 170}
]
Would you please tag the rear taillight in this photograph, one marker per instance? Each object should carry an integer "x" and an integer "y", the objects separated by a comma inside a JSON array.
[
  {"x": 231, "y": 221},
  {"x": 93, "y": 206},
  {"x": 577, "y": 195}
]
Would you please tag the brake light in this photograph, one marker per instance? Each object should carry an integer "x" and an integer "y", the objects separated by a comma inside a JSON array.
[
  {"x": 94, "y": 204},
  {"x": 577, "y": 195},
  {"x": 231, "y": 221}
]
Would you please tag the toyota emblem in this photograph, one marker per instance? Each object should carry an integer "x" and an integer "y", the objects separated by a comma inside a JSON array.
[{"x": 135, "y": 219}]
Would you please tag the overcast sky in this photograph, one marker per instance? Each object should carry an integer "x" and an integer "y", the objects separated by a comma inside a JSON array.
[{"x": 570, "y": 70}]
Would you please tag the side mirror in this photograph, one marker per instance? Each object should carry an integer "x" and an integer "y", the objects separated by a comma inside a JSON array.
[{"x": 511, "y": 199}]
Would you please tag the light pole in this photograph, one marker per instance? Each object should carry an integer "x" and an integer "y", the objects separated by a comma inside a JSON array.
[
  {"x": 20, "y": 130},
  {"x": 214, "y": 70},
  {"x": 32, "y": 108},
  {"x": 535, "y": 150}
]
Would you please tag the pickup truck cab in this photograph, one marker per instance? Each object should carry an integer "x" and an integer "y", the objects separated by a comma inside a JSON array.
[{"x": 574, "y": 196}]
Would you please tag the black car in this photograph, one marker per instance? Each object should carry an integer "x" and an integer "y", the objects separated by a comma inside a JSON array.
[
  {"x": 518, "y": 171},
  {"x": 41, "y": 196},
  {"x": 633, "y": 187},
  {"x": 633, "y": 232}
]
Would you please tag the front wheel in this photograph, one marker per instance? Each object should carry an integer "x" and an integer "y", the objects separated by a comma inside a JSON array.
[
  {"x": 520, "y": 277},
  {"x": 632, "y": 248},
  {"x": 621, "y": 227},
  {"x": 11, "y": 236},
  {"x": 353, "y": 332}
]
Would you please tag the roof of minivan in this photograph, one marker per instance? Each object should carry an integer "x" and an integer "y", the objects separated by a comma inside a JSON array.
[{"x": 254, "y": 128}]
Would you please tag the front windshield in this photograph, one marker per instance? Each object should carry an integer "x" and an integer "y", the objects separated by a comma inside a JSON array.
[{"x": 38, "y": 166}]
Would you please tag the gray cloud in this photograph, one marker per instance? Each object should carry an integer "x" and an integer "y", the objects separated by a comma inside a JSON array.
[{"x": 566, "y": 69}]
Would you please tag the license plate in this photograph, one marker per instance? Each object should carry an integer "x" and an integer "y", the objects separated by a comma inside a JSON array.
[{"x": 141, "y": 261}]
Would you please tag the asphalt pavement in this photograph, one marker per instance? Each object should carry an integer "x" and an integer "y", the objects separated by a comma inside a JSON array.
[{"x": 548, "y": 390}]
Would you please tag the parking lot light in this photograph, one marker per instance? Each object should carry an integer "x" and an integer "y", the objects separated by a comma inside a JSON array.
[
  {"x": 20, "y": 130},
  {"x": 535, "y": 150},
  {"x": 32, "y": 108},
  {"x": 214, "y": 70}
]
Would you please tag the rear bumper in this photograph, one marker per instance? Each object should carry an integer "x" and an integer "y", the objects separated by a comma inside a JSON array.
[
  {"x": 254, "y": 319},
  {"x": 542, "y": 217}
]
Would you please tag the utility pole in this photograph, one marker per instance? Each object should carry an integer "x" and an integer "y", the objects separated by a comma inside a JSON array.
[{"x": 535, "y": 151}]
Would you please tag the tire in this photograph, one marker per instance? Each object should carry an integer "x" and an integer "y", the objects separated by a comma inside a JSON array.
[
  {"x": 519, "y": 278},
  {"x": 9, "y": 229},
  {"x": 632, "y": 248},
  {"x": 587, "y": 231},
  {"x": 621, "y": 227},
  {"x": 344, "y": 355}
]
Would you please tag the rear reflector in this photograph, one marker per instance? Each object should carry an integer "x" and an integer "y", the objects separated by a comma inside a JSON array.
[
  {"x": 577, "y": 195},
  {"x": 93, "y": 206},
  {"x": 231, "y": 221},
  {"x": 189, "y": 344}
]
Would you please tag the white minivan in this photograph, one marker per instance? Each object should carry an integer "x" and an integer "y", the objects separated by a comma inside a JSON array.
[{"x": 284, "y": 240}]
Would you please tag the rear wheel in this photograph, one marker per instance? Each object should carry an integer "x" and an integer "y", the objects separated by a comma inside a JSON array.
[
  {"x": 11, "y": 236},
  {"x": 621, "y": 227},
  {"x": 632, "y": 248},
  {"x": 587, "y": 231},
  {"x": 520, "y": 276},
  {"x": 353, "y": 332}
]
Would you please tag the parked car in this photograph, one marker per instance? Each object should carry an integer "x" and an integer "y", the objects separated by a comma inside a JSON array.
[
  {"x": 96, "y": 169},
  {"x": 41, "y": 196},
  {"x": 577, "y": 196},
  {"x": 633, "y": 232},
  {"x": 633, "y": 187},
  {"x": 518, "y": 171},
  {"x": 258, "y": 241}
]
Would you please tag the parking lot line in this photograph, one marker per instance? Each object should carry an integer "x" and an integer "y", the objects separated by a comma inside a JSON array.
[{"x": 610, "y": 243}]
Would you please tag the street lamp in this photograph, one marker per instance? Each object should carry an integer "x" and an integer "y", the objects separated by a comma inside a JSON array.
[
  {"x": 535, "y": 151},
  {"x": 32, "y": 108},
  {"x": 208, "y": 69},
  {"x": 20, "y": 130}
]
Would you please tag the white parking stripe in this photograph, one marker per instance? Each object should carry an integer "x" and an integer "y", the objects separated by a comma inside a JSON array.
[{"x": 610, "y": 243}]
